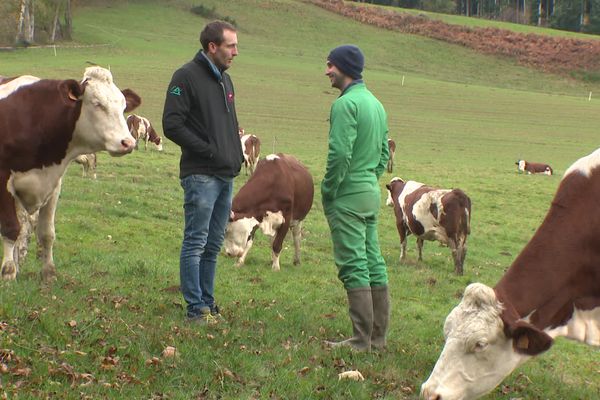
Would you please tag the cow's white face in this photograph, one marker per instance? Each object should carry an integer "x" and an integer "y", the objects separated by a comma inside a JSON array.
[
  {"x": 389, "y": 201},
  {"x": 237, "y": 236},
  {"x": 101, "y": 124},
  {"x": 477, "y": 355},
  {"x": 521, "y": 165}
]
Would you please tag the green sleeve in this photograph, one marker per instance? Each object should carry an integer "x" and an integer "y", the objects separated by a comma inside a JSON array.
[
  {"x": 385, "y": 154},
  {"x": 342, "y": 134}
]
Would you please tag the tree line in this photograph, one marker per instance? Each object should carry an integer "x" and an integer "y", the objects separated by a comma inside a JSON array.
[
  {"x": 570, "y": 15},
  {"x": 35, "y": 21}
]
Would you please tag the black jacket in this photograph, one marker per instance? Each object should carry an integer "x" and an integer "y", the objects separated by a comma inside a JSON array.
[{"x": 199, "y": 116}]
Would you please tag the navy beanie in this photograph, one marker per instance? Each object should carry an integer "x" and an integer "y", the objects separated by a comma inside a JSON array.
[{"x": 348, "y": 59}]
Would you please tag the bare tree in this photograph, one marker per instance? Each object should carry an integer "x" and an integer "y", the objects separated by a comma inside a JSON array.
[{"x": 26, "y": 24}]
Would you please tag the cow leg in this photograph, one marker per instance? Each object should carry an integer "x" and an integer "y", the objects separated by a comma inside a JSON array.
[
  {"x": 402, "y": 233},
  {"x": 275, "y": 261},
  {"x": 9, "y": 228},
  {"x": 46, "y": 235},
  {"x": 28, "y": 224},
  {"x": 297, "y": 235},
  {"x": 278, "y": 244},
  {"x": 459, "y": 252},
  {"x": 420, "y": 247},
  {"x": 242, "y": 258}
]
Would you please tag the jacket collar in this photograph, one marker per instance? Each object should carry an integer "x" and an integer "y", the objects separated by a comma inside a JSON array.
[
  {"x": 353, "y": 83},
  {"x": 202, "y": 58}
]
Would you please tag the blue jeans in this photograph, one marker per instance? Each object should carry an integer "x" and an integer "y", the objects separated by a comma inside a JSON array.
[{"x": 207, "y": 204}]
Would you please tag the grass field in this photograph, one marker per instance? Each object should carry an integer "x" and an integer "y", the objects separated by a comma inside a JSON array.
[{"x": 460, "y": 120}]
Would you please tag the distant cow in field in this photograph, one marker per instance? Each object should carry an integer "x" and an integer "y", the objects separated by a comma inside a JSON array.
[
  {"x": 533, "y": 168},
  {"x": 44, "y": 125},
  {"x": 392, "y": 147},
  {"x": 277, "y": 196},
  {"x": 141, "y": 129},
  {"x": 251, "y": 149},
  {"x": 552, "y": 289},
  {"x": 431, "y": 214},
  {"x": 88, "y": 162}
]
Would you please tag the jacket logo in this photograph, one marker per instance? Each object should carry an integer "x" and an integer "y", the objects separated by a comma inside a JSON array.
[
  {"x": 175, "y": 90},
  {"x": 230, "y": 98}
]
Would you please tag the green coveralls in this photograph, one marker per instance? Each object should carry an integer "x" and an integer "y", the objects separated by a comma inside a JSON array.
[{"x": 358, "y": 154}]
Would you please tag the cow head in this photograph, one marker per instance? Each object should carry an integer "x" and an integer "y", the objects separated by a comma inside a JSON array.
[
  {"x": 239, "y": 234},
  {"x": 483, "y": 346},
  {"x": 240, "y": 231},
  {"x": 521, "y": 165},
  {"x": 394, "y": 188},
  {"x": 101, "y": 124}
]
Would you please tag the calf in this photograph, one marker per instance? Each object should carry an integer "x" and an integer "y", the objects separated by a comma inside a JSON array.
[
  {"x": 431, "y": 214},
  {"x": 251, "y": 148},
  {"x": 88, "y": 163},
  {"x": 44, "y": 125},
  {"x": 392, "y": 147},
  {"x": 141, "y": 129},
  {"x": 533, "y": 168},
  {"x": 277, "y": 196},
  {"x": 552, "y": 289}
]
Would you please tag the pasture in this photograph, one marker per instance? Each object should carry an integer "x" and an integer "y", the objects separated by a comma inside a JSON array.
[{"x": 459, "y": 120}]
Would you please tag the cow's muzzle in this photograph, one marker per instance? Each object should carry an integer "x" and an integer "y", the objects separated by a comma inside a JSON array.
[{"x": 127, "y": 146}]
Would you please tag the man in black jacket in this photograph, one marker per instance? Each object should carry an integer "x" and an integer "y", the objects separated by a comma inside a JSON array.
[{"x": 199, "y": 116}]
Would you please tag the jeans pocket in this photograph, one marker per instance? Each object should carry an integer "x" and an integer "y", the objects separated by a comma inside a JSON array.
[{"x": 194, "y": 179}]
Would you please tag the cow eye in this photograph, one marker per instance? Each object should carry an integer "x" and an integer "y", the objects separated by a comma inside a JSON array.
[{"x": 480, "y": 346}]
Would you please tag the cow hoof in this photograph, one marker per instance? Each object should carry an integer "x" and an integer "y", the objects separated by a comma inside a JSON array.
[
  {"x": 297, "y": 262},
  {"x": 48, "y": 273},
  {"x": 9, "y": 271},
  {"x": 239, "y": 264}
]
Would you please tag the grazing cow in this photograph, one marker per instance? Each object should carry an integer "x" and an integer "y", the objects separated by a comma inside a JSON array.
[
  {"x": 141, "y": 129},
  {"x": 88, "y": 163},
  {"x": 392, "y": 147},
  {"x": 552, "y": 289},
  {"x": 276, "y": 197},
  {"x": 431, "y": 214},
  {"x": 533, "y": 168},
  {"x": 44, "y": 125},
  {"x": 251, "y": 148}
]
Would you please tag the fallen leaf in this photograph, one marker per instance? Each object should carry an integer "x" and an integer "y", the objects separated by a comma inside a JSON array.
[
  {"x": 169, "y": 352},
  {"x": 353, "y": 375}
]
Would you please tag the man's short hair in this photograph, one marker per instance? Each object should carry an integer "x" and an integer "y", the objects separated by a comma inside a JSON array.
[{"x": 213, "y": 32}]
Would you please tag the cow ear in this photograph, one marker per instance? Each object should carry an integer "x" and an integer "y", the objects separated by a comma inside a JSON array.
[
  {"x": 527, "y": 339},
  {"x": 71, "y": 90},
  {"x": 388, "y": 186},
  {"x": 132, "y": 100}
]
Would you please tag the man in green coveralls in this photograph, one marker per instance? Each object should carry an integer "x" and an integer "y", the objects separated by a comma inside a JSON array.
[{"x": 358, "y": 154}]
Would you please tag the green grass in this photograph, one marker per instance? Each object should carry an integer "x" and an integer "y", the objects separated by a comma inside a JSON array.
[{"x": 460, "y": 120}]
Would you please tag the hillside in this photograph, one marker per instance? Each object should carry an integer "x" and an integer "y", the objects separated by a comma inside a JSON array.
[{"x": 544, "y": 53}]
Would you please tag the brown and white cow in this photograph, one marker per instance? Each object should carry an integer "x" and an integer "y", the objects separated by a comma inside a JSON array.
[
  {"x": 392, "y": 147},
  {"x": 533, "y": 168},
  {"x": 251, "y": 149},
  {"x": 141, "y": 129},
  {"x": 88, "y": 163},
  {"x": 431, "y": 214},
  {"x": 552, "y": 289},
  {"x": 44, "y": 125},
  {"x": 277, "y": 196}
]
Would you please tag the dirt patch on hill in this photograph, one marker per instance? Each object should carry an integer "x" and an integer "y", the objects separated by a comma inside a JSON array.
[{"x": 544, "y": 53}]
